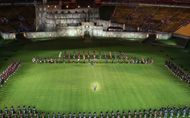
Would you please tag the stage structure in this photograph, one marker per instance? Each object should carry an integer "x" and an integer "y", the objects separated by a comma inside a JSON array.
[{"x": 53, "y": 21}]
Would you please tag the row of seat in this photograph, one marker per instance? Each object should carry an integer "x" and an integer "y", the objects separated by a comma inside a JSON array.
[{"x": 156, "y": 18}]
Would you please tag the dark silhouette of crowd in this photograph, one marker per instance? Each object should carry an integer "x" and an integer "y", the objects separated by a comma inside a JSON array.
[{"x": 178, "y": 72}]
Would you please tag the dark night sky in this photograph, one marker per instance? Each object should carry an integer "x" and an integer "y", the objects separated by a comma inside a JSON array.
[{"x": 85, "y": 3}]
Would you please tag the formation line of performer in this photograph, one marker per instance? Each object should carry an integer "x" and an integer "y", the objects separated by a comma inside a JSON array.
[
  {"x": 178, "y": 72},
  {"x": 121, "y": 58},
  {"x": 164, "y": 112},
  {"x": 11, "y": 69}
]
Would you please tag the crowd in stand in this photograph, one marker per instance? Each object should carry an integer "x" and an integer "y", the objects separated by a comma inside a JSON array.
[
  {"x": 161, "y": 113},
  {"x": 11, "y": 69},
  {"x": 178, "y": 72},
  {"x": 121, "y": 58}
]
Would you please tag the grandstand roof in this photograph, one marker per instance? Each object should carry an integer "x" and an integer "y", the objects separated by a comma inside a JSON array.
[{"x": 184, "y": 30}]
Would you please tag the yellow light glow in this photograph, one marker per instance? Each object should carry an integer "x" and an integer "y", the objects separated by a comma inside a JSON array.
[
  {"x": 147, "y": 35},
  {"x": 50, "y": 35},
  {"x": 24, "y": 34},
  {"x": 78, "y": 6},
  {"x": 67, "y": 6},
  {"x": 157, "y": 36},
  {"x": 48, "y": 6},
  {"x": 34, "y": 36},
  {"x": 88, "y": 6},
  {"x": 55, "y": 6}
]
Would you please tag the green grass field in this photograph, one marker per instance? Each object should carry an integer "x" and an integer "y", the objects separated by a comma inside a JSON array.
[
  {"x": 174, "y": 41},
  {"x": 69, "y": 87}
]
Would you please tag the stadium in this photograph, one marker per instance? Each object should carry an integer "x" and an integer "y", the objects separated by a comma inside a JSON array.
[{"x": 94, "y": 58}]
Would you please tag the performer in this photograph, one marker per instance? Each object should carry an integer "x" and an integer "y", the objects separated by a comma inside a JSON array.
[
  {"x": 171, "y": 113},
  {"x": 165, "y": 113},
  {"x": 129, "y": 114},
  {"x": 64, "y": 116},
  {"x": 83, "y": 57},
  {"x": 101, "y": 114},
  {"x": 89, "y": 115},
  {"x": 178, "y": 113},
  {"x": 44, "y": 60},
  {"x": 95, "y": 116},
  {"x": 94, "y": 55},
  {"x": 135, "y": 114},
  {"x": 78, "y": 60},
  {"x": 95, "y": 86},
  {"x": 118, "y": 114},
  {"x": 140, "y": 114},
  {"x": 80, "y": 115},
  {"x": 112, "y": 115},
  {"x": 33, "y": 59},
  {"x": 100, "y": 56},
  {"x": 60, "y": 54},
  {"x": 107, "y": 114},
  {"x": 84, "y": 115},
  {"x": 124, "y": 114},
  {"x": 59, "y": 115},
  {"x": 73, "y": 59},
  {"x": 51, "y": 60},
  {"x": 184, "y": 113},
  {"x": 155, "y": 113},
  {"x": 48, "y": 60},
  {"x": 64, "y": 59}
]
